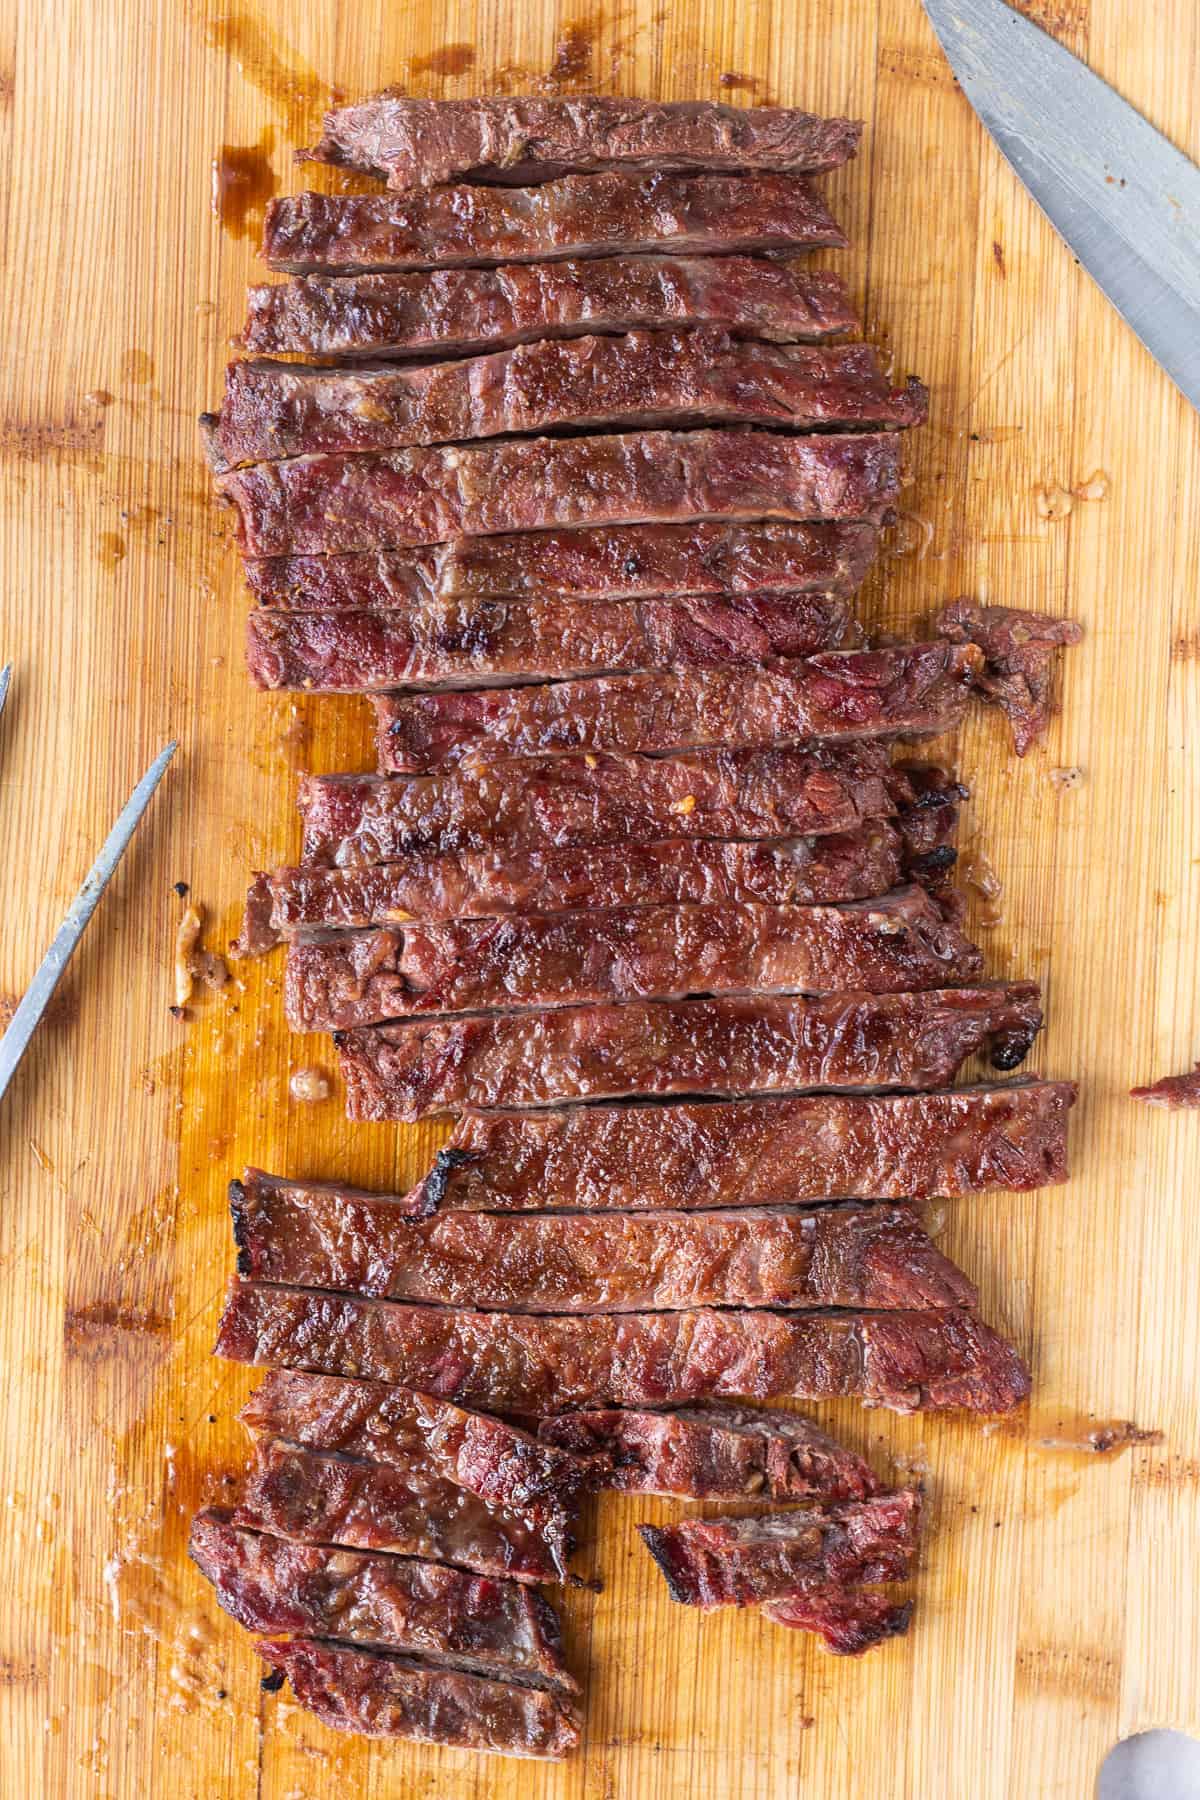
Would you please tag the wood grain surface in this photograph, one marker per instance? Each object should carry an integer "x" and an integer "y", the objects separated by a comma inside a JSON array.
[{"x": 1059, "y": 1603}]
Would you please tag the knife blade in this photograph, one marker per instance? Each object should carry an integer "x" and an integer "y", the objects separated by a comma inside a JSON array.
[
  {"x": 1124, "y": 198},
  {"x": 37, "y": 995}
]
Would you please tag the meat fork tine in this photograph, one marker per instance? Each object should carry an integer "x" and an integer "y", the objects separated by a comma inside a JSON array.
[{"x": 37, "y": 995}]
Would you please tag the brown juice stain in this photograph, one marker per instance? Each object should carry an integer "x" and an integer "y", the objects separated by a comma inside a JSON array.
[
  {"x": 242, "y": 183},
  {"x": 1086, "y": 1435},
  {"x": 297, "y": 92},
  {"x": 733, "y": 78},
  {"x": 573, "y": 52},
  {"x": 450, "y": 59},
  {"x": 137, "y": 366},
  {"x": 110, "y": 550}
]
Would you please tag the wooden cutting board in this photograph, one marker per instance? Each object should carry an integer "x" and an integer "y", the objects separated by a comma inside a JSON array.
[{"x": 1058, "y": 1607}]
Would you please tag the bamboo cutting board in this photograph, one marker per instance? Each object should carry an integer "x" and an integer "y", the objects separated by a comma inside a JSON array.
[{"x": 1058, "y": 1607}]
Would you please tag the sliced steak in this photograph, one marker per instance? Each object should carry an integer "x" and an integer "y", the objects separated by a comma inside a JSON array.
[
  {"x": 754, "y": 1152},
  {"x": 848, "y": 1621},
  {"x": 713, "y": 1453},
  {"x": 1172, "y": 1091},
  {"x": 570, "y": 802},
  {"x": 646, "y": 379},
  {"x": 513, "y": 1362},
  {"x": 1019, "y": 648},
  {"x": 457, "y": 643},
  {"x": 349, "y": 502},
  {"x": 917, "y": 690},
  {"x": 381, "y": 1696},
  {"x": 299, "y": 902},
  {"x": 719, "y": 562},
  {"x": 510, "y": 1471},
  {"x": 744, "y": 1562},
  {"x": 462, "y": 312},
  {"x": 722, "y": 1047},
  {"x": 408, "y": 1509},
  {"x": 853, "y": 1255},
  {"x": 895, "y": 944},
  {"x": 497, "y": 1628},
  {"x": 417, "y": 143},
  {"x": 580, "y": 216}
]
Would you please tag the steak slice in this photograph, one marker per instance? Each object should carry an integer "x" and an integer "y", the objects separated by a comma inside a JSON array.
[
  {"x": 724, "y": 563},
  {"x": 573, "y": 802},
  {"x": 646, "y": 379},
  {"x": 722, "y": 1047},
  {"x": 407, "y": 1509},
  {"x": 462, "y": 312},
  {"x": 1019, "y": 648},
  {"x": 391, "y": 1697},
  {"x": 713, "y": 1453},
  {"x": 299, "y": 902},
  {"x": 497, "y": 1628},
  {"x": 456, "y": 643},
  {"x": 511, "y": 1472},
  {"x": 917, "y": 690},
  {"x": 515, "y": 1362},
  {"x": 867, "y": 1256},
  {"x": 417, "y": 143},
  {"x": 892, "y": 945},
  {"x": 848, "y": 1622},
  {"x": 577, "y": 217},
  {"x": 744, "y": 1562},
  {"x": 754, "y": 1152},
  {"x": 349, "y": 502}
]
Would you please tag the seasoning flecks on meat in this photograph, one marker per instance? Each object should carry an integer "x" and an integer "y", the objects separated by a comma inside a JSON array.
[
  {"x": 576, "y": 802},
  {"x": 417, "y": 143},
  {"x": 754, "y": 1152},
  {"x": 897, "y": 943},
  {"x": 852, "y": 1255},
  {"x": 445, "y": 1615},
  {"x": 642, "y": 380},
  {"x": 406, "y": 1508},
  {"x": 334, "y": 503},
  {"x": 723, "y": 1047},
  {"x": 712, "y": 1453},
  {"x": 917, "y": 690},
  {"x": 745, "y": 1562},
  {"x": 510, "y": 1471},
  {"x": 467, "y": 312},
  {"x": 383, "y": 1696},
  {"x": 515, "y": 1362},
  {"x": 455, "y": 644},
  {"x": 575, "y": 217},
  {"x": 824, "y": 871}
]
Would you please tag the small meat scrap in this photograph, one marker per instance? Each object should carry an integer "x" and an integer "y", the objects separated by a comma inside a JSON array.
[
  {"x": 1174, "y": 1091},
  {"x": 192, "y": 962},
  {"x": 746, "y": 1562},
  {"x": 1018, "y": 673}
]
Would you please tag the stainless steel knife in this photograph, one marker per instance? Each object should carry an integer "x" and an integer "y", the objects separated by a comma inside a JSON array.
[
  {"x": 1126, "y": 201},
  {"x": 36, "y": 998}
]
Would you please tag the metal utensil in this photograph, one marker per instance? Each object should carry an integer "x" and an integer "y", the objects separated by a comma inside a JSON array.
[
  {"x": 1126, "y": 201},
  {"x": 37, "y": 995}
]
